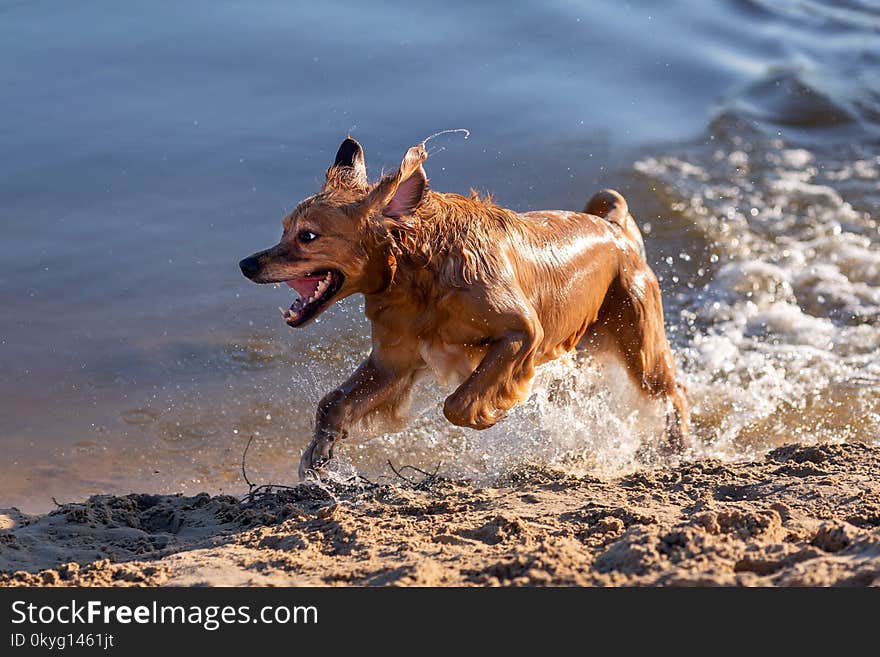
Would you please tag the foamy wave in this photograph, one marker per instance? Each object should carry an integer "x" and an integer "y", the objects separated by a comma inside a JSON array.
[{"x": 785, "y": 337}]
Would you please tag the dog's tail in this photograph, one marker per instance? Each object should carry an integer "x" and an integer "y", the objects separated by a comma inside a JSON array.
[{"x": 611, "y": 206}]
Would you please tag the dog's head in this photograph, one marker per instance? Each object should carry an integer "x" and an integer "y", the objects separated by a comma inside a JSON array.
[{"x": 334, "y": 243}]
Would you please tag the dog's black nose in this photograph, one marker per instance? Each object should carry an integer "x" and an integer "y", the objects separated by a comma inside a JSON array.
[{"x": 249, "y": 266}]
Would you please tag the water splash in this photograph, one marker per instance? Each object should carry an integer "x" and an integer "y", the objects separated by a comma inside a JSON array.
[
  {"x": 783, "y": 343},
  {"x": 583, "y": 415},
  {"x": 424, "y": 142}
]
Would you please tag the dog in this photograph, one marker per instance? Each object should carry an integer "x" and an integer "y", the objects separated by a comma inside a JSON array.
[{"x": 467, "y": 290}]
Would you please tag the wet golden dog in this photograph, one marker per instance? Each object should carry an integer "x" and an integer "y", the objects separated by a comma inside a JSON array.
[{"x": 467, "y": 290}]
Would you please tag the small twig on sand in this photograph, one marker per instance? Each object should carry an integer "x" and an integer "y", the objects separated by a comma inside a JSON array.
[
  {"x": 266, "y": 489},
  {"x": 397, "y": 472},
  {"x": 254, "y": 489},
  {"x": 250, "y": 484},
  {"x": 258, "y": 491},
  {"x": 432, "y": 475},
  {"x": 428, "y": 477},
  {"x": 363, "y": 481}
]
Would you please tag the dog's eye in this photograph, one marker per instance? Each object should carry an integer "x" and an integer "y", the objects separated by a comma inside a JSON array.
[{"x": 306, "y": 236}]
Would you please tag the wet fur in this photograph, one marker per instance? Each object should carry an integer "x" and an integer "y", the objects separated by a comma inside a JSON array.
[{"x": 474, "y": 293}]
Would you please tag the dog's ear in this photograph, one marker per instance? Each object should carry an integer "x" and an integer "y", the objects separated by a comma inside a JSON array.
[
  {"x": 349, "y": 169},
  {"x": 399, "y": 194},
  {"x": 408, "y": 195}
]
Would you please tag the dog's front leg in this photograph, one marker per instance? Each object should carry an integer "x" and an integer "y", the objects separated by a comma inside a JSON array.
[
  {"x": 377, "y": 382},
  {"x": 501, "y": 380}
]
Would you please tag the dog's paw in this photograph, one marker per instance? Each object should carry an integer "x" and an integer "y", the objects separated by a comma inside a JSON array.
[
  {"x": 476, "y": 414},
  {"x": 314, "y": 459}
]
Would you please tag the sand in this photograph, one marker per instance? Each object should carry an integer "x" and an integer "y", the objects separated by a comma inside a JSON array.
[{"x": 803, "y": 515}]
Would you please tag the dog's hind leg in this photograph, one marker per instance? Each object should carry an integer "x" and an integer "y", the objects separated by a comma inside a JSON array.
[{"x": 631, "y": 319}]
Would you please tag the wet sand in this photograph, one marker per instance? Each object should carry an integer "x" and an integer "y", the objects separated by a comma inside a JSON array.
[{"x": 801, "y": 515}]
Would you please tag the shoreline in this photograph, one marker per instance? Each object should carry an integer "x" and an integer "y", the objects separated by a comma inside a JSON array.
[{"x": 801, "y": 515}]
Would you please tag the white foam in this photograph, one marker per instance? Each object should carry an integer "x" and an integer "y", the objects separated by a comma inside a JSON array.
[
  {"x": 786, "y": 335},
  {"x": 583, "y": 415}
]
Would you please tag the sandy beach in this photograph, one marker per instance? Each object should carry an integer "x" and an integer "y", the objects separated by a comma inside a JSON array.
[{"x": 802, "y": 515}]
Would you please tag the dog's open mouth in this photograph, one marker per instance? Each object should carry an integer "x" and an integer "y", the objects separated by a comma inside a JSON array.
[{"x": 316, "y": 291}]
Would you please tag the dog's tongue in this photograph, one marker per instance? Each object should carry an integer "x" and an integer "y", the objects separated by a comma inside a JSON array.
[{"x": 305, "y": 287}]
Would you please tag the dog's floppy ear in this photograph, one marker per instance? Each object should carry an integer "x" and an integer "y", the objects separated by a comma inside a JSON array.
[
  {"x": 349, "y": 169},
  {"x": 399, "y": 194},
  {"x": 408, "y": 196}
]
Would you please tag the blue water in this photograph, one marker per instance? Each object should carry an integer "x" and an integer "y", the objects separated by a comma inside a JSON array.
[{"x": 149, "y": 146}]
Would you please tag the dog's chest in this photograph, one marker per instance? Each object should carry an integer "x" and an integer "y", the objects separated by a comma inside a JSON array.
[{"x": 450, "y": 363}]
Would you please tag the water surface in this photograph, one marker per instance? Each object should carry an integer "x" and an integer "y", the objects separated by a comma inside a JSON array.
[{"x": 149, "y": 146}]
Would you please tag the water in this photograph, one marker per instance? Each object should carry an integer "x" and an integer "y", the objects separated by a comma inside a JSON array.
[{"x": 147, "y": 148}]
